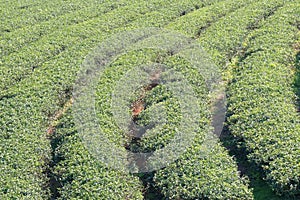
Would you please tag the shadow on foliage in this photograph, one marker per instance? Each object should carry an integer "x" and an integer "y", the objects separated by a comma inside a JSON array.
[
  {"x": 237, "y": 149},
  {"x": 297, "y": 78}
]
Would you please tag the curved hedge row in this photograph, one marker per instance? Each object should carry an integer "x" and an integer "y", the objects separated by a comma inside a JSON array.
[
  {"x": 18, "y": 65},
  {"x": 81, "y": 176},
  {"x": 24, "y": 148},
  {"x": 194, "y": 176},
  {"x": 225, "y": 40},
  {"x": 262, "y": 101},
  {"x": 21, "y": 64},
  {"x": 194, "y": 24},
  {"x": 26, "y": 104},
  {"x": 204, "y": 170},
  {"x": 21, "y": 14},
  {"x": 251, "y": 28},
  {"x": 35, "y": 82},
  {"x": 18, "y": 38}
]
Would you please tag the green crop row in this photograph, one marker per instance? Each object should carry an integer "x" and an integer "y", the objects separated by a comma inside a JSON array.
[
  {"x": 20, "y": 64},
  {"x": 74, "y": 183},
  {"x": 225, "y": 39},
  {"x": 21, "y": 15},
  {"x": 25, "y": 107},
  {"x": 202, "y": 171},
  {"x": 196, "y": 22},
  {"x": 51, "y": 69},
  {"x": 27, "y": 34},
  {"x": 262, "y": 102},
  {"x": 24, "y": 146},
  {"x": 50, "y": 65},
  {"x": 15, "y": 40},
  {"x": 82, "y": 176}
]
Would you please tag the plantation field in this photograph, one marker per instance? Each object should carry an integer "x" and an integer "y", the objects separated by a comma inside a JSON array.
[{"x": 214, "y": 83}]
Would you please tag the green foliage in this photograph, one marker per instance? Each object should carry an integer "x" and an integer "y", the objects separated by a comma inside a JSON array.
[
  {"x": 225, "y": 37},
  {"x": 205, "y": 170},
  {"x": 83, "y": 176},
  {"x": 24, "y": 150},
  {"x": 262, "y": 105},
  {"x": 43, "y": 44},
  {"x": 195, "y": 23},
  {"x": 254, "y": 48},
  {"x": 39, "y": 62},
  {"x": 60, "y": 42}
]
